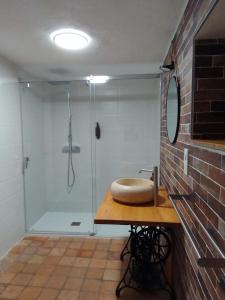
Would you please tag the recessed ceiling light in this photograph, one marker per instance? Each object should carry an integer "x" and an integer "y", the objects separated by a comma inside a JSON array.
[
  {"x": 70, "y": 39},
  {"x": 97, "y": 79}
]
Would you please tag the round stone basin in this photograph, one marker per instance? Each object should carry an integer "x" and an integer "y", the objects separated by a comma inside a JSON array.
[{"x": 133, "y": 190}]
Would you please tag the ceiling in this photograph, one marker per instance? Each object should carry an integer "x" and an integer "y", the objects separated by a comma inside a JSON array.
[
  {"x": 128, "y": 36},
  {"x": 214, "y": 26}
]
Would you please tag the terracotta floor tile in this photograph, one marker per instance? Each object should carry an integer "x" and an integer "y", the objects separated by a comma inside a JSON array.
[
  {"x": 94, "y": 273},
  {"x": 110, "y": 297},
  {"x": 73, "y": 284},
  {"x": 119, "y": 241},
  {"x": 114, "y": 264},
  {"x": 48, "y": 294},
  {"x": 113, "y": 275},
  {"x": 85, "y": 253},
  {"x": 2, "y": 287},
  {"x": 62, "y": 271},
  {"x": 12, "y": 292},
  {"x": 68, "y": 295},
  {"x": 15, "y": 267},
  {"x": 43, "y": 251},
  {"x": 39, "y": 280},
  {"x": 103, "y": 247},
  {"x": 82, "y": 262},
  {"x": 24, "y": 258},
  {"x": 107, "y": 287},
  {"x": 30, "y": 293},
  {"x": 88, "y": 296},
  {"x": 56, "y": 282},
  {"x": 62, "y": 244},
  {"x": 100, "y": 254},
  {"x": 49, "y": 244},
  {"x": 25, "y": 242},
  {"x": 31, "y": 268},
  {"x": 17, "y": 249},
  {"x": 36, "y": 244},
  {"x": 77, "y": 272},
  {"x": 66, "y": 268},
  {"x": 91, "y": 285},
  {"x": 66, "y": 238},
  {"x": 57, "y": 252},
  {"x": 52, "y": 260},
  {"x": 67, "y": 261},
  {"x": 98, "y": 263},
  {"x": 6, "y": 277},
  {"x": 10, "y": 258},
  {"x": 37, "y": 259},
  {"x": 30, "y": 250},
  {"x": 38, "y": 238},
  {"x": 46, "y": 269},
  {"x": 22, "y": 279},
  {"x": 89, "y": 246},
  {"x": 75, "y": 245},
  {"x": 115, "y": 255},
  {"x": 71, "y": 252}
]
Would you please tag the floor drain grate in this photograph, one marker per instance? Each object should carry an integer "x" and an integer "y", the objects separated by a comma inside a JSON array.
[{"x": 75, "y": 223}]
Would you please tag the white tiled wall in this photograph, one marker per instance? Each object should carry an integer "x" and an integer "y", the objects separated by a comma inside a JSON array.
[
  {"x": 56, "y": 135},
  {"x": 11, "y": 184},
  {"x": 128, "y": 112}
]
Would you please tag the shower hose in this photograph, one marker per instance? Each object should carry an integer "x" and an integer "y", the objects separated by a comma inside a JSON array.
[{"x": 70, "y": 169}]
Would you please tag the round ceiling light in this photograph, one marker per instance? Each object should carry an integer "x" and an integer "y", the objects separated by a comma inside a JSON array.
[{"x": 70, "y": 39}]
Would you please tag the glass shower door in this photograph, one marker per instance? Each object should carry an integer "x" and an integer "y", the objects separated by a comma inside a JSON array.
[{"x": 49, "y": 206}]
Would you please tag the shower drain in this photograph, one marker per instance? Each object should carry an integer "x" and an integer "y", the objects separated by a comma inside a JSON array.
[{"x": 75, "y": 224}]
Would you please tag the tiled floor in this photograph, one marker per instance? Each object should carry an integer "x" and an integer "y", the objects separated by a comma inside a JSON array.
[{"x": 65, "y": 268}]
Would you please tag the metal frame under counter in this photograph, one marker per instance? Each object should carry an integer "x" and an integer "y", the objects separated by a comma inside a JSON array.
[{"x": 149, "y": 244}]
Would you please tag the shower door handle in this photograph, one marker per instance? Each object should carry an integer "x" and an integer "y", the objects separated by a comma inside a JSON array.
[
  {"x": 97, "y": 131},
  {"x": 25, "y": 163}
]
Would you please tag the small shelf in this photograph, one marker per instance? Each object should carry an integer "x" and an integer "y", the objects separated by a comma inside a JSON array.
[{"x": 212, "y": 144}]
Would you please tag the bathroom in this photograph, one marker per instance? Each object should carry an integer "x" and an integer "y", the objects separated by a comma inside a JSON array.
[{"x": 143, "y": 89}]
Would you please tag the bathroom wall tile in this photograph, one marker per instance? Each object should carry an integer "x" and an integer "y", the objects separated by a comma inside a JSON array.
[{"x": 205, "y": 179}]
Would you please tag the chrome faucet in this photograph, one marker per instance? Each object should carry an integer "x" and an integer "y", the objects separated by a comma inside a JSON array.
[{"x": 154, "y": 172}]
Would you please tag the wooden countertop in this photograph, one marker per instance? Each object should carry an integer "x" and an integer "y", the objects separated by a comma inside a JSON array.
[{"x": 112, "y": 212}]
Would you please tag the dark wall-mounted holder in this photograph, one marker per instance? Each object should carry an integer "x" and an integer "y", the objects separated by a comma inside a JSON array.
[
  {"x": 205, "y": 262},
  {"x": 97, "y": 131}
]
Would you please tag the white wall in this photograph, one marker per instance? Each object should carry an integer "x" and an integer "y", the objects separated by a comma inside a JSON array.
[
  {"x": 128, "y": 112},
  {"x": 11, "y": 184},
  {"x": 56, "y": 135}
]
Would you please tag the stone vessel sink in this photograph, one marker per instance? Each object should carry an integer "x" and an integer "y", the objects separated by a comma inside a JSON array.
[{"x": 133, "y": 190}]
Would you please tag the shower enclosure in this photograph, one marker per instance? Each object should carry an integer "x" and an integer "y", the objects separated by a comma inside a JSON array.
[{"x": 115, "y": 131}]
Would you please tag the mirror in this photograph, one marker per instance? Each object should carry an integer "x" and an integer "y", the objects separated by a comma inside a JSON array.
[
  {"x": 173, "y": 110},
  {"x": 208, "y": 105}
]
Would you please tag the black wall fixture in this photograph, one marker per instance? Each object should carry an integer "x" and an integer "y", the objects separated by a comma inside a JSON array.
[{"x": 97, "y": 131}]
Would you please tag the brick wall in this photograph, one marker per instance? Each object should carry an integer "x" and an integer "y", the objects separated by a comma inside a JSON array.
[
  {"x": 209, "y": 89},
  {"x": 206, "y": 178}
]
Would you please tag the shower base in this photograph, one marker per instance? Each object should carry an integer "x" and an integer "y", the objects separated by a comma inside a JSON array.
[{"x": 60, "y": 223}]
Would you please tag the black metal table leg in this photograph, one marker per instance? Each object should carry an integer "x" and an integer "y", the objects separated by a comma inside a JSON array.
[
  {"x": 148, "y": 247},
  {"x": 126, "y": 249}
]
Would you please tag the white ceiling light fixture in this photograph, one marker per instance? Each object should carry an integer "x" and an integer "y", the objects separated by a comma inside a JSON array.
[
  {"x": 70, "y": 39},
  {"x": 98, "y": 79}
]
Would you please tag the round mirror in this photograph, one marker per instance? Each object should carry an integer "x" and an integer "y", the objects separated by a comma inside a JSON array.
[{"x": 173, "y": 110}]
